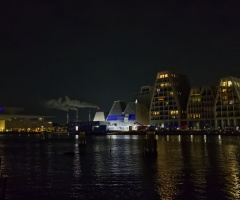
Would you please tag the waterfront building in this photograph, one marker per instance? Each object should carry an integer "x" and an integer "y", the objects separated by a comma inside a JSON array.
[
  {"x": 145, "y": 96},
  {"x": 200, "y": 108},
  {"x": 25, "y": 123},
  {"x": 116, "y": 114},
  {"x": 87, "y": 127},
  {"x": 143, "y": 103},
  {"x": 127, "y": 116},
  {"x": 14, "y": 119},
  {"x": 99, "y": 116},
  {"x": 169, "y": 100},
  {"x": 130, "y": 114},
  {"x": 227, "y": 105}
]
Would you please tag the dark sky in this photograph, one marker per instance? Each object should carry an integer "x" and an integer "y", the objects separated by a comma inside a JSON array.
[{"x": 101, "y": 51}]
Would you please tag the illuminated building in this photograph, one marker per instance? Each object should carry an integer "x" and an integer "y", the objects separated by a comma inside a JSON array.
[
  {"x": 13, "y": 119},
  {"x": 130, "y": 114},
  {"x": 169, "y": 100},
  {"x": 228, "y": 103},
  {"x": 122, "y": 116},
  {"x": 127, "y": 116},
  {"x": 200, "y": 108},
  {"x": 99, "y": 116},
  {"x": 116, "y": 115},
  {"x": 25, "y": 123}
]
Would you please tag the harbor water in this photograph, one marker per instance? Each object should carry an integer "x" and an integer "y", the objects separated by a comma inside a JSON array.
[{"x": 116, "y": 167}]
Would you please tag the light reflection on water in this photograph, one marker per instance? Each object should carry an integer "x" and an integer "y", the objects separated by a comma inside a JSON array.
[{"x": 185, "y": 167}]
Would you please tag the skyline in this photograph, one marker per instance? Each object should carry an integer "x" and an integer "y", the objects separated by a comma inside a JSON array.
[{"x": 99, "y": 52}]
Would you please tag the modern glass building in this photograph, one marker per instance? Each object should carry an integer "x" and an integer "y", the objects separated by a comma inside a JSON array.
[
  {"x": 201, "y": 107},
  {"x": 169, "y": 100},
  {"x": 228, "y": 103}
]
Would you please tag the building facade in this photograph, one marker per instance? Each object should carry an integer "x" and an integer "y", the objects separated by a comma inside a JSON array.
[
  {"x": 201, "y": 107},
  {"x": 169, "y": 100},
  {"x": 143, "y": 103},
  {"x": 25, "y": 123},
  {"x": 227, "y": 105}
]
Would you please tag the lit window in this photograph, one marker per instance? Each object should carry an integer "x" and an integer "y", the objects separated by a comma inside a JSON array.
[
  {"x": 224, "y": 90},
  {"x": 229, "y": 83},
  {"x": 224, "y": 83},
  {"x": 173, "y": 112},
  {"x": 162, "y": 84},
  {"x": 224, "y": 97},
  {"x": 161, "y": 98},
  {"x": 196, "y": 99},
  {"x": 166, "y": 75},
  {"x": 171, "y": 93}
]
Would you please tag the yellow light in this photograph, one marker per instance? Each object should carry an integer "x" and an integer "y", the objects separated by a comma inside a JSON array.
[
  {"x": 224, "y": 97},
  {"x": 224, "y": 83}
]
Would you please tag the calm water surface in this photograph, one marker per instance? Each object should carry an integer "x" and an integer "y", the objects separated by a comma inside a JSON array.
[{"x": 186, "y": 167}]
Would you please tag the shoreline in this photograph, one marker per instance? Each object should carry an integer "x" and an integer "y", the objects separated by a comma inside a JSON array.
[
  {"x": 233, "y": 133},
  {"x": 167, "y": 132}
]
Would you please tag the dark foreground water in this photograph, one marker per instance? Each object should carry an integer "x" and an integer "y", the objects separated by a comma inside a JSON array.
[{"x": 186, "y": 167}]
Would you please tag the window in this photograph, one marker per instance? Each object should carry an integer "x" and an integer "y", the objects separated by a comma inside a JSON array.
[
  {"x": 173, "y": 112},
  {"x": 224, "y": 83}
]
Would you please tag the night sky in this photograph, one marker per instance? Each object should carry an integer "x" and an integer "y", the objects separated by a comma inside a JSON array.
[{"x": 101, "y": 51}]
